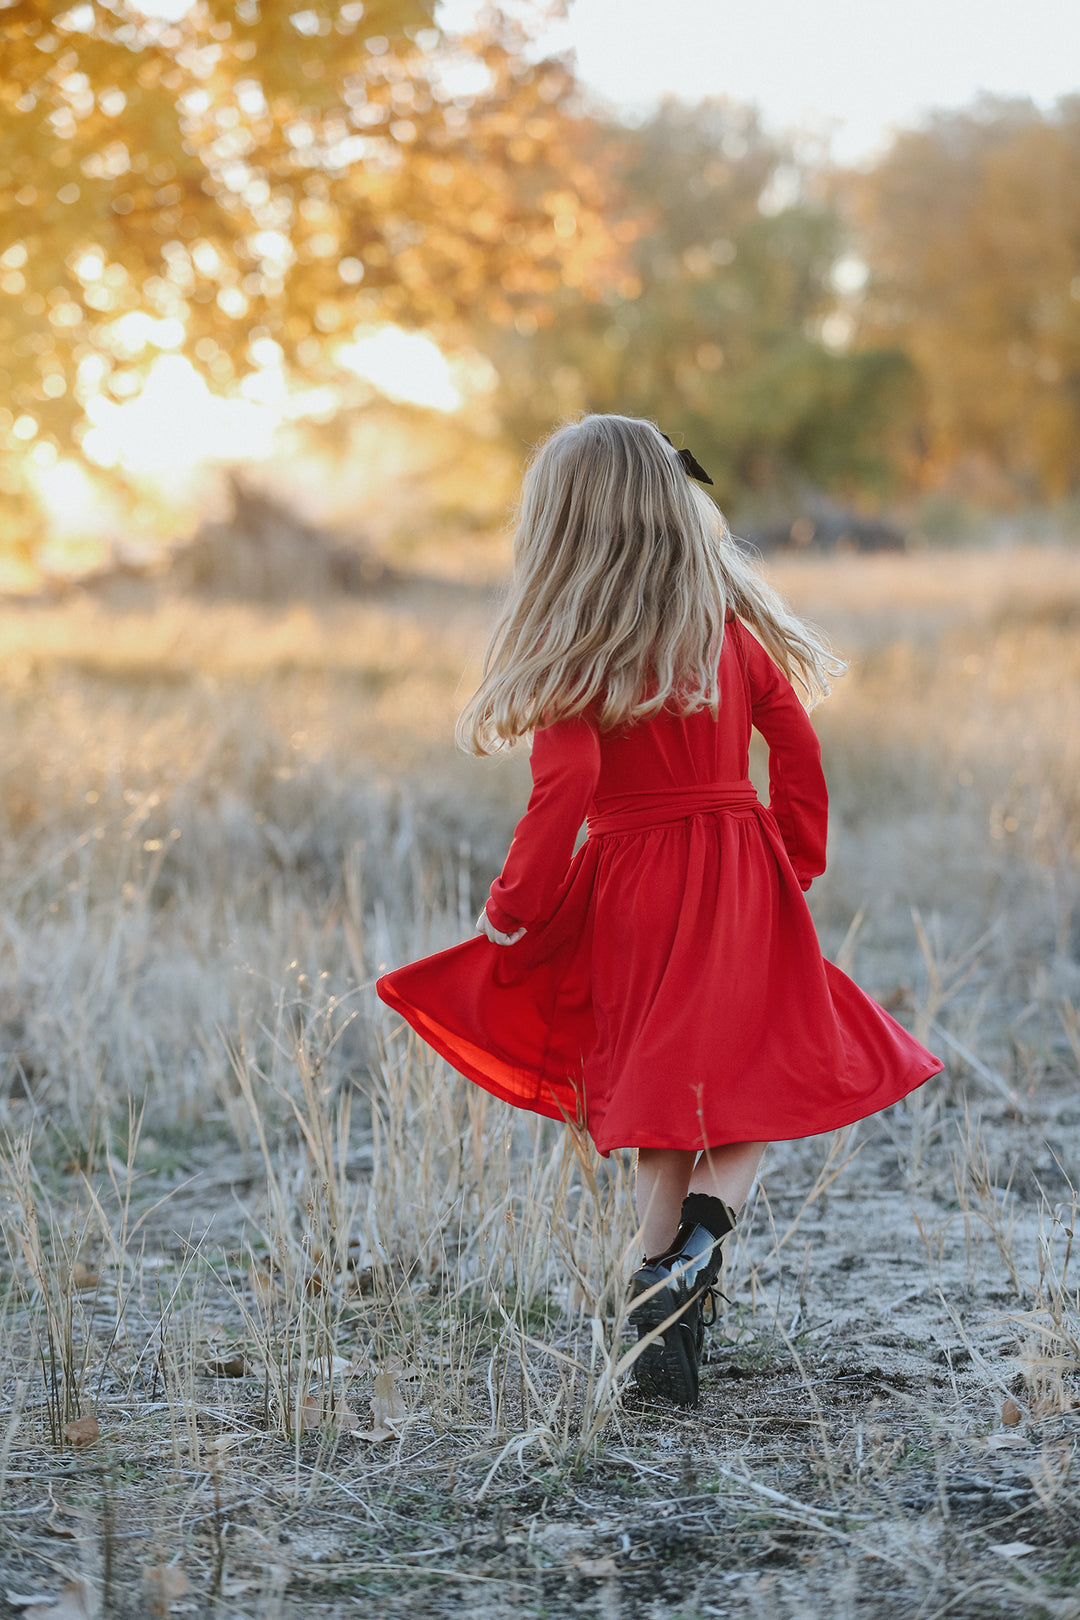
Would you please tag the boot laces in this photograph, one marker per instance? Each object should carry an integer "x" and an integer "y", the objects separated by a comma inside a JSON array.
[{"x": 709, "y": 1300}]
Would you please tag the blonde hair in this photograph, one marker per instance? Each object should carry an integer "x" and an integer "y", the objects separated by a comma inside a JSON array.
[{"x": 624, "y": 574}]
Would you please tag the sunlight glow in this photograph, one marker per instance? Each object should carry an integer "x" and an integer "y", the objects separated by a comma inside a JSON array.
[
  {"x": 405, "y": 366},
  {"x": 163, "y": 10},
  {"x": 130, "y": 333},
  {"x": 177, "y": 422},
  {"x": 69, "y": 496}
]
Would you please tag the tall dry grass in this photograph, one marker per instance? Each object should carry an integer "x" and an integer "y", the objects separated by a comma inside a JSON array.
[{"x": 266, "y": 1240}]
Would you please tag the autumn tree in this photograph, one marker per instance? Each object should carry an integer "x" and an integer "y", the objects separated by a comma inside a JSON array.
[
  {"x": 257, "y": 173},
  {"x": 717, "y": 327},
  {"x": 971, "y": 230}
]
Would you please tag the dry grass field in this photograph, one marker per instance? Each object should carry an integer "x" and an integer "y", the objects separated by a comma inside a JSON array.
[{"x": 294, "y": 1322}]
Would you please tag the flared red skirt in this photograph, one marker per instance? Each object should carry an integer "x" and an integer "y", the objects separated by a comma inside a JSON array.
[{"x": 676, "y": 998}]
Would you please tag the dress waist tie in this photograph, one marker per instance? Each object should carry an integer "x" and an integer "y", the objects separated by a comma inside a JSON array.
[{"x": 638, "y": 812}]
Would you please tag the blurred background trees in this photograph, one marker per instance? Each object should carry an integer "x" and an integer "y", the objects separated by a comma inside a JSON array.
[
  {"x": 250, "y": 183},
  {"x": 971, "y": 231},
  {"x": 718, "y": 324},
  {"x": 254, "y": 188}
]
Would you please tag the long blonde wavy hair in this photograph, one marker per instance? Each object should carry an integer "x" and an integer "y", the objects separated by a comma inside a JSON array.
[{"x": 624, "y": 574}]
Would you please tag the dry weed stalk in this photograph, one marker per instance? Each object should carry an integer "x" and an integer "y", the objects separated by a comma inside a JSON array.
[
  {"x": 837, "y": 1158},
  {"x": 981, "y": 1199},
  {"x": 298, "y": 1288},
  {"x": 471, "y": 1229},
  {"x": 64, "y": 1294},
  {"x": 45, "y": 1265},
  {"x": 946, "y": 972},
  {"x": 1049, "y": 1356},
  {"x": 1070, "y": 1023}
]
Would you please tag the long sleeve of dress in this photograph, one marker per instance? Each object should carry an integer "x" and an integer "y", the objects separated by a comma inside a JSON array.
[
  {"x": 797, "y": 793},
  {"x": 565, "y": 766}
]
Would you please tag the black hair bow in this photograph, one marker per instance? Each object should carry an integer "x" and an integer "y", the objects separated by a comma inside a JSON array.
[{"x": 691, "y": 464}]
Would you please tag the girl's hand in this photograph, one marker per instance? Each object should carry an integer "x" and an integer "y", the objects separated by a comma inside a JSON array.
[{"x": 484, "y": 925}]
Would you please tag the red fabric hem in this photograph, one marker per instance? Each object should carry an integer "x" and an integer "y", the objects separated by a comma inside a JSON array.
[
  {"x": 459, "y": 1054},
  {"x": 767, "y": 1130},
  {"x": 523, "y": 1089}
]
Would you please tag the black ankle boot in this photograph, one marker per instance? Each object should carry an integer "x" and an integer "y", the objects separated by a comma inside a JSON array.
[
  {"x": 681, "y": 1278},
  {"x": 696, "y": 1256}
]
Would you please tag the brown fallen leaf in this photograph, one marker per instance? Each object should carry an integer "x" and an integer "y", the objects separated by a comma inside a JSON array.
[
  {"x": 264, "y": 1282},
  {"x": 53, "y": 1527},
  {"x": 311, "y": 1413},
  {"x": 315, "y": 1414},
  {"x": 162, "y": 1583},
  {"x": 1002, "y": 1442},
  {"x": 229, "y": 1367},
  {"x": 387, "y": 1412},
  {"x": 387, "y": 1406},
  {"x": 81, "y": 1431},
  {"x": 374, "y": 1437},
  {"x": 1010, "y": 1413},
  {"x": 76, "y": 1602}
]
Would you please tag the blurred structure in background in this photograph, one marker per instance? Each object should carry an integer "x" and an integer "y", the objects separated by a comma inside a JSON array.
[{"x": 821, "y": 525}]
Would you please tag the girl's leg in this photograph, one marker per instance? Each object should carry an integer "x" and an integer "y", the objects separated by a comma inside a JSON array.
[
  {"x": 666, "y": 1295},
  {"x": 663, "y": 1176},
  {"x": 666, "y": 1175},
  {"x": 727, "y": 1172}
]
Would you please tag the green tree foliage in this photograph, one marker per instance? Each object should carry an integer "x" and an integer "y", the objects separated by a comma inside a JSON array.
[
  {"x": 715, "y": 326},
  {"x": 262, "y": 172},
  {"x": 971, "y": 228}
]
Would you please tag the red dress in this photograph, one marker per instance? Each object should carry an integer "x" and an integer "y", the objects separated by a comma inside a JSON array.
[{"x": 669, "y": 991}]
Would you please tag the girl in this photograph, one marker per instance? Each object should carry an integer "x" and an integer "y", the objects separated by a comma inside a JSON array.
[{"x": 664, "y": 986}]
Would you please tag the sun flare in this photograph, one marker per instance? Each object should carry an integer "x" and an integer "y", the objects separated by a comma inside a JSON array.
[
  {"x": 405, "y": 366},
  {"x": 177, "y": 422}
]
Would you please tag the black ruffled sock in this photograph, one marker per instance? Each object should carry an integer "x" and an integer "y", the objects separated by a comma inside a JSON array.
[{"x": 701, "y": 1209}]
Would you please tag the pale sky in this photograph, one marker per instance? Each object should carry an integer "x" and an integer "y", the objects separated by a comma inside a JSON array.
[
  {"x": 849, "y": 69},
  {"x": 855, "y": 67}
]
